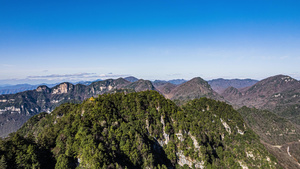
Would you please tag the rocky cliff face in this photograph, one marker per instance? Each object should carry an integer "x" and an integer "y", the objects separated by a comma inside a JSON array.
[
  {"x": 43, "y": 88},
  {"x": 62, "y": 88}
]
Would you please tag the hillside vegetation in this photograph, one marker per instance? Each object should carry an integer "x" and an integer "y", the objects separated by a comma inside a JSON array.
[
  {"x": 136, "y": 130},
  {"x": 270, "y": 127}
]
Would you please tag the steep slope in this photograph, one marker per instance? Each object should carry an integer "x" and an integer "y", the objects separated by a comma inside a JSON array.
[
  {"x": 279, "y": 94},
  {"x": 194, "y": 88},
  {"x": 15, "y": 109},
  {"x": 166, "y": 88},
  {"x": 287, "y": 159},
  {"x": 232, "y": 93},
  {"x": 270, "y": 127},
  {"x": 276, "y": 133},
  {"x": 137, "y": 130},
  {"x": 219, "y": 85}
]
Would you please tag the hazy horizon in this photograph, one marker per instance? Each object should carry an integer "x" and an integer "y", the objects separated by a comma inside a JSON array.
[
  {"x": 57, "y": 81},
  {"x": 56, "y": 41}
]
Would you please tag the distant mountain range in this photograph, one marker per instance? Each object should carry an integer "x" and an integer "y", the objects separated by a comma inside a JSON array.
[
  {"x": 219, "y": 85},
  {"x": 280, "y": 95},
  {"x": 271, "y": 94},
  {"x": 12, "y": 89},
  {"x": 15, "y": 109},
  {"x": 174, "y": 81}
]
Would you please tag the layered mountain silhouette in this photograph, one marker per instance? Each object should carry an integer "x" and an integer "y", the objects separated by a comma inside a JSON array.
[
  {"x": 25, "y": 104},
  {"x": 279, "y": 94},
  {"x": 220, "y": 85},
  {"x": 174, "y": 81}
]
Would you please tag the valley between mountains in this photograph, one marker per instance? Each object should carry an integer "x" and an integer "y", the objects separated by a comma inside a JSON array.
[{"x": 197, "y": 123}]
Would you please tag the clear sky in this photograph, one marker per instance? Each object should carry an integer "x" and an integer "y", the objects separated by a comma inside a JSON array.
[{"x": 45, "y": 41}]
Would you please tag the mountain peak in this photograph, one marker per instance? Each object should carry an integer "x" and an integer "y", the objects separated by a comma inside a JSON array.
[
  {"x": 131, "y": 79},
  {"x": 43, "y": 88},
  {"x": 279, "y": 78},
  {"x": 231, "y": 93},
  {"x": 62, "y": 88},
  {"x": 141, "y": 85},
  {"x": 194, "y": 88},
  {"x": 279, "y": 94},
  {"x": 197, "y": 80},
  {"x": 273, "y": 84}
]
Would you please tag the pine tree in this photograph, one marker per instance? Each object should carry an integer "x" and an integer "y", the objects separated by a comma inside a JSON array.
[{"x": 3, "y": 164}]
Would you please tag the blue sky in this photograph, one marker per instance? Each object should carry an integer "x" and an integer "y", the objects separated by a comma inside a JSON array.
[{"x": 47, "y": 41}]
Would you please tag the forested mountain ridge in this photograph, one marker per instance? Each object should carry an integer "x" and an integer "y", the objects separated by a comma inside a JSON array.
[
  {"x": 15, "y": 109},
  {"x": 136, "y": 130}
]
